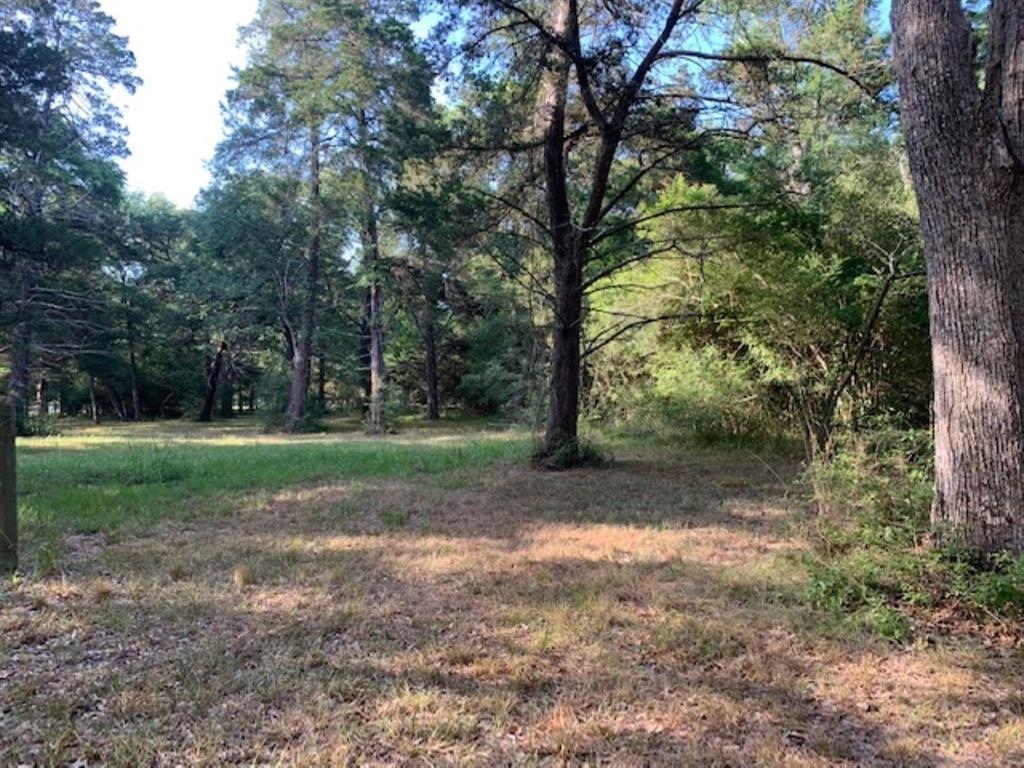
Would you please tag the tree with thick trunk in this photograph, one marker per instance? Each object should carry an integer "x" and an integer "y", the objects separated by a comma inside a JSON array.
[
  {"x": 966, "y": 148},
  {"x": 212, "y": 382},
  {"x": 8, "y": 491},
  {"x": 18, "y": 385},
  {"x": 302, "y": 360},
  {"x": 365, "y": 359},
  {"x": 564, "y": 394},
  {"x": 571, "y": 237},
  {"x": 604, "y": 122},
  {"x": 374, "y": 320},
  {"x": 321, "y": 382},
  {"x": 378, "y": 371},
  {"x": 21, "y": 350},
  {"x": 227, "y": 394}
]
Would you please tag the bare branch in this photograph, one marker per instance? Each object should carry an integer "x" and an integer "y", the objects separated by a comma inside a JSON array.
[
  {"x": 596, "y": 345},
  {"x": 765, "y": 58}
]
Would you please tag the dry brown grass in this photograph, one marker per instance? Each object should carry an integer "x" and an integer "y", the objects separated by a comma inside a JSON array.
[{"x": 644, "y": 614}]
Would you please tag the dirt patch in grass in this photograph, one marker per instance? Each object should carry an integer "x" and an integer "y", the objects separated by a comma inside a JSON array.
[{"x": 644, "y": 614}]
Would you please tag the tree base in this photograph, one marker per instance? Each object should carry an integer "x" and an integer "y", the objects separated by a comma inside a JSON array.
[{"x": 570, "y": 455}]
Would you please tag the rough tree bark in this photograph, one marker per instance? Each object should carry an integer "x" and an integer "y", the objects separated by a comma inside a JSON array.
[
  {"x": 212, "y": 380},
  {"x": 21, "y": 350},
  {"x": 303, "y": 349},
  {"x": 227, "y": 395},
  {"x": 430, "y": 367},
  {"x": 378, "y": 371},
  {"x": 561, "y": 436},
  {"x": 8, "y": 491},
  {"x": 364, "y": 353},
  {"x": 966, "y": 148},
  {"x": 321, "y": 382},
  {"x": 375, "y": 295},
  {"x": 572, "y": 240}
]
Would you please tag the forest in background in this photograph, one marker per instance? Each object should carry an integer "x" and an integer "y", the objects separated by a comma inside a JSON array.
[
  {"x": 374, "y": 237},
  {"x": 683, "y": 222}
]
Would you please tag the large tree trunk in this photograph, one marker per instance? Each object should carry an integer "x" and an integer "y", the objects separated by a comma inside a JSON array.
[
  {"x": 212, "y": 380},
  {"x": 20, "y": 375},
  {"x": 378, "y": 372},
  {"x": 365, "y": 359},
  {"x": 571, "y": 242},
  {"x": 966, "y": 148},
  {"x": 303, "y": 352},
  {"x": 321, "y": 382},
  {"x": 375, "y": 294},
  {"x": 8, "y": 491},
  {"x": 561, "y": 436},
  {"x": 299, "y": 392},
  {"x": 430, "y": 367},
  {"x": 227, "y": 396},
  {"x": 21, "y": 350}
]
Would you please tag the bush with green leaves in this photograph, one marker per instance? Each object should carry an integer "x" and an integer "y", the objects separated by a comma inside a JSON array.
[
  {"x": 42, "y": 425},
  {"x": 875, "y": 560},
  {"x": 652, "y": 387}
]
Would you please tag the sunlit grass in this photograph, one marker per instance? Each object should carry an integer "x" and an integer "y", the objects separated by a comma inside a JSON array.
[{"x": 109, "y": 478}]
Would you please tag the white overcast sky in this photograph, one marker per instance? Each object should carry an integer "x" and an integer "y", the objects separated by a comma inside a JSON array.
[{"x": 185, "y": 50}]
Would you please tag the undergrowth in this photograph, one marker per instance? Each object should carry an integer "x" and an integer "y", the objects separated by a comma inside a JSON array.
[
  {"x": 874, "y": 562},
  {"x": 577, "y": 454}
]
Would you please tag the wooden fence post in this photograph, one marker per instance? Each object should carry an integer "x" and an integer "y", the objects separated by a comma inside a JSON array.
[{"x": 8, "y": 492}]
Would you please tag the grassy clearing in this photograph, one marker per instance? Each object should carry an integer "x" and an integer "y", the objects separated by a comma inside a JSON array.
[
  {"x": 649, "y": 613},
  {"x": 129, "y": 477}
]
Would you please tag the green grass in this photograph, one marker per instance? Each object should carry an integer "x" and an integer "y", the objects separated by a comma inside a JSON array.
[{"x": 127, "y": 477}]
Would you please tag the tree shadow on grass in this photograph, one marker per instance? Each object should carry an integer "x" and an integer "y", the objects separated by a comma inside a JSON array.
[
  {"x": 508, "y": 502},
  {"x": 626, "y": 616},
  {"x": 575, "y": 661}
]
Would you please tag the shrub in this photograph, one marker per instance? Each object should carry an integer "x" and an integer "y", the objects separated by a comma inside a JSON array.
[
  {"x": 874, "y": 562},
  {"x": 42, "y": 425},
  {"x": 684, "y": 395}
]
